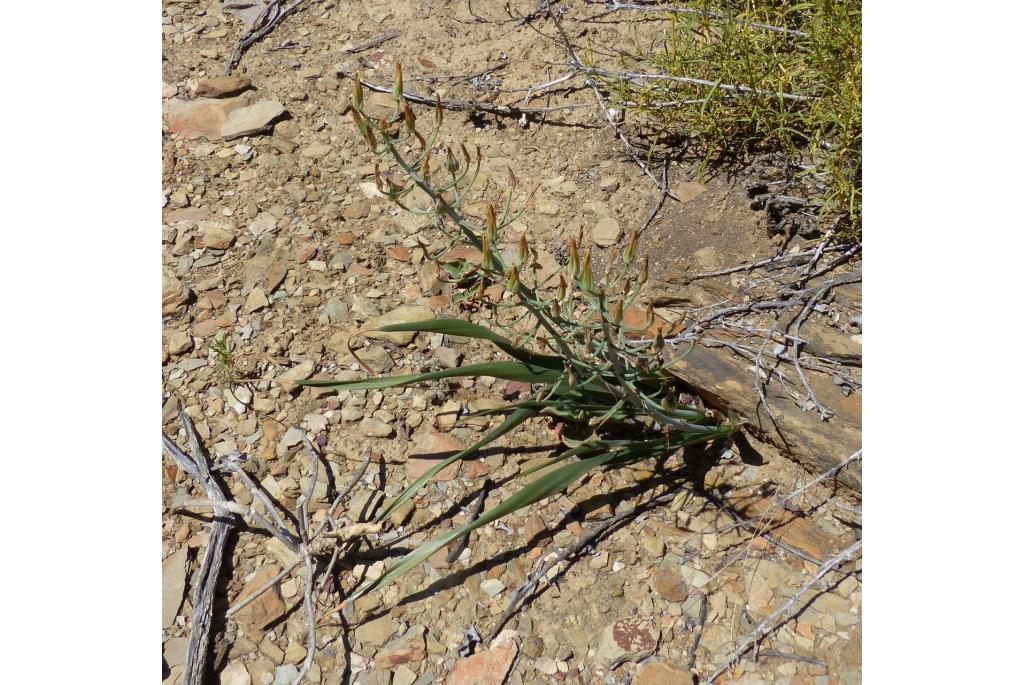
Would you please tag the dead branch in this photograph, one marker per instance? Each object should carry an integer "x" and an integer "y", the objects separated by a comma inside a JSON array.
[
  {"x": 615, "y": 6},
  {"x": 638, "y": 78},
  {"x": 461, "y": 105},
  {"x": 372, "y": 43},
  {"x": 205, "y": 585},
  {"x": 266, "y": 22}
]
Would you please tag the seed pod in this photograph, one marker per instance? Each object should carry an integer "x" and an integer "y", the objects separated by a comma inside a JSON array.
[
  {"x": 357, "y": 92},
  {"x": 451, "y": 163},
  {"x": 587, "y": 279},
  {"x": 626, "y": 288},
  {"x": 487, "y": 263},
  {"x": 398, "y": 83},
  {"x": 627, "y": 256},
  {"x": 556, "y": 310},
  {"x": 560, "y": 293},
  {"x": 513, "y": 280},
  {"x": 425, "y": 167},
  {"x": 574, "y": 259},
  {"x": 409, "y": 117},
  {"x": 643, "y": 272},
  {"x": 615, "y": 313},
  {"x": 492, "y": 224},
  {"x": 524, "y": 250},
  {"x": 649, "y": 316}
]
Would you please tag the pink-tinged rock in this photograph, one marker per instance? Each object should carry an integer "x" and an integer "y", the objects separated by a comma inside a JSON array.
[
  {"x": 517, "y": 390},
  {"x": 410, "y": 647},
  {"x": 660, "y": 673},
  {"x": 490, "y": 667},
  {"x": 430, "y": 449},
  {"x": 200, "y": 118},
  {"x": 268, "y": 608},
  {"x": 628, "y": 639}
]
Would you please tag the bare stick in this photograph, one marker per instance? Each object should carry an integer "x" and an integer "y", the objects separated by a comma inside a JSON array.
[
  {"x": 372, "y": 43},
  {"x": 343, "y": 494},
  {"x": 266, "y": 22},
  {"x": 461, "y": 105},
  {"x": 638, "y": 78},
  {"x": 773, "y": 621},
  {"x": 661, "y": 199},
  {"x": 205, "y": 584}
]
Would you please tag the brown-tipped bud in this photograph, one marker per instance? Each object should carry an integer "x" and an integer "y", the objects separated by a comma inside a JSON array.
[
  {"x": 560, "y": 293},
  {"x": 627, "y": 256},
  {"x": 615, "y": 313},
  {"x": 587, "y": 278},
  {"x": 409, "y": 117},
  {"x": 481, "y": 290},
  {"x": 649, "y": 316},
  {"x": 438, "y": 112},
  {"x": 556, "y": 310},
  {"x": 425, "y": 167},
  {"x": 643, "y": 272},
  {"x": 398, "y": 83},
  {"x": 574, "y": 259},
  {"x": 487, "y": 262},
  {"x": 465, "y": 152},
  {"x": 659, "y": 342},
  {"x": 626, "y": 288},
  {"x": 376, "y": 177},
  {"x": 450, "y": 162},
  {"x": 492, "y": 224},
  {"x": 513, "y": 280},
  {"x": 357, "y": 92},
  {"x": 524, "y": 250}
]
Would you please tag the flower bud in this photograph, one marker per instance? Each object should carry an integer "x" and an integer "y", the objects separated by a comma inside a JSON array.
[
  {"x": 524, "y": 250},
  {"x": 574, "y": 259},
  {"x": 398, "y": 83},
  {"x": 587, "y": 279},
  {"x": 487, "y": 263},
  {"x": 627, "y": 256},
  {"x": 357, "y": 92},
  {"x": 513, "y": 280},
  {"x": 492, "y": 224}
]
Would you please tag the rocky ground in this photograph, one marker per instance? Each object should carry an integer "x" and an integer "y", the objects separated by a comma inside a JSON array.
[{"x": 277, "y": 247}]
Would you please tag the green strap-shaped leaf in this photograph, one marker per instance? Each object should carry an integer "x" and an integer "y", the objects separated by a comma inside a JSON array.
[
  {"x": 471, "y": 330},
  {"x": 511, "y": 371},
  {"x": 517, "y": 417},
  {"x": 554, "y": 482}
]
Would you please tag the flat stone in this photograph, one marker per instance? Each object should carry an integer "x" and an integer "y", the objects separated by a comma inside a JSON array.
[
  {"x": 316, "y": 150},
  {"x": 489, "y": 667},
  {"x": 410, "y": 647},
  {"x": 403, "y": 676},
  {"x": 255, "y": 118},
  {"x": 175, "y": 294},
  {"x": 404, "y": 314},
  {"x": 216, "y": 235},
  {"x": 222, "y": 86},
  {"x": 660, "y": 673},
  {"x": 628, "y": 639},
  {"x": 235, "y": 674},
  {"x": 296, "y": 373},
  {"x": 255, "y": 301},
  {"x": 492, "y": 587},
  {"x": 178, "y": 342},
  {"x": 688, "y": 190},
  {"x": 694, "y": 577},
  {"x": 668, "y": 584},
  {"x": 200, "y": 118},
  {"x": 176, "y": 651},
  {"x": 375, "y": 428},
  {"x": 606, "y": 231},
  {"x": 266, "y": 609},
  {"x": 377, "y": 631},
  {"x": 263, "y": 223},
  {"x": 654, "y": 546},
  {"x": 286, "y": 674},
  {"x": 173, "y": 585},
  {"x": 546, "y": 665},
  {"x": 431, "y": 448}
]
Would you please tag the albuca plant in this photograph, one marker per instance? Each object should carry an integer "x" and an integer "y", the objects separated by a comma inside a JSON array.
[{"x": 564, "y": 332}]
